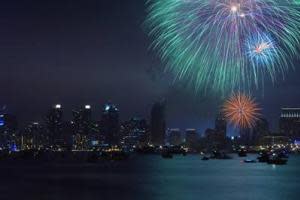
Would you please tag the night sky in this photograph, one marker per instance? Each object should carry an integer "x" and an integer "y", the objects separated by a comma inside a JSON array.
[{"x": 77, "y": 52}]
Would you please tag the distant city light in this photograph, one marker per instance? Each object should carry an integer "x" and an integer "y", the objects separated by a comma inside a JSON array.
[
  {"x": 1, "y": 120},
  {"x": 190, "y": 129},
  {"x": 58, "y": 106},
  {"x": 297, "y": 142},
  {"x": 107, "y": 107},
  {"x": 87, "y": 107},
  {"x": 95, "y": 142},
  {"x": 13, "y": 147}
]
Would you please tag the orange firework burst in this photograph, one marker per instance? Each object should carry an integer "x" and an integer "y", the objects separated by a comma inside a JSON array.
[{"x": 241, "y": 110}]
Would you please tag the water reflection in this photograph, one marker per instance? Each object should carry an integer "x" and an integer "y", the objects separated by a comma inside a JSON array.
[{"x": 151, "y": 177}]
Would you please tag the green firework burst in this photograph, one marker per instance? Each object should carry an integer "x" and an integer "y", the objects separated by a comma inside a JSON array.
[{"x": 207, "y": 41}]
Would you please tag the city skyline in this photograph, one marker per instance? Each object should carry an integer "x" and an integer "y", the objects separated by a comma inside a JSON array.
[
  {"x": 77, "y": 59},
  {"x": 98, "y": 114}
]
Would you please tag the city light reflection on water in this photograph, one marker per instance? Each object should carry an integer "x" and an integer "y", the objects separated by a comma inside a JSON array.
[{"x": 151, "y": 177}]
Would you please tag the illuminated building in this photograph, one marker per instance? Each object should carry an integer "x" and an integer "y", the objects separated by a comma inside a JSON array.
[
  {"x": 110, "y": 125},
  {"x": 158, "y": 124},
  {"x": 34, "y": 137},
  {"x": 54, "y": 125},
  {"x": 82, "y": 126},
  {"x": 85, "y": 131},
  {"x": 289, "y": 123},
  {"x": 274, "y": 139},
  {"x": 134, "y": 132},
  {"x": 8, "y": 130}
]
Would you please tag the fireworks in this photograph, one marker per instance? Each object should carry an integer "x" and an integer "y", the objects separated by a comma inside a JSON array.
[
  {"x": 263, "y": 53},
  {"x": 241, "y": 110},
  {"x": 225, "y": 44}
]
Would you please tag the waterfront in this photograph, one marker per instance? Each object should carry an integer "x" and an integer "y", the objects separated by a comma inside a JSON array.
[{"x": 151, "y": 177}]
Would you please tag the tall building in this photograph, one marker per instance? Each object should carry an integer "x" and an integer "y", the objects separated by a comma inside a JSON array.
[
  {"x": 54, "y": 125},
  {"x": 158, "y": 124},
  {"x": 134, "y": 132},
  {"x": 289, "y": 123},
  {"x": 216, "y": 138},
  {"x": 8, "y": 130},
  {"x": 82, "y": 126},
  {"x": 221, "y": 125},
  {"x": 110, "y": 124},
  {"x": 82, "y": 120},
  {"x": 34, "y": 136}
]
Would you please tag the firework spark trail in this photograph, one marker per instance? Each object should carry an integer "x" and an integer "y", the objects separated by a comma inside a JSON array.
[
  {"x": 241, "y": 110},
  {"x": 207, "y": 41}
]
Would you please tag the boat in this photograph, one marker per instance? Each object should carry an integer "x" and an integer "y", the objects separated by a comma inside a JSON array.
[
  {"x": 149, "y": 149},
  {"x": 219, "y": 155},
  {"x": 263, "y": 157},
  {"x": 242, "y": 153},
  {"x": 249, "y": 161},
  {"x": 277, "y": 160},
  {"x": 283, "y": 154}
]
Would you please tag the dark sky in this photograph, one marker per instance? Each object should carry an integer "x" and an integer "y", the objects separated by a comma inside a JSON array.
[{"x": 77, "y": 52}]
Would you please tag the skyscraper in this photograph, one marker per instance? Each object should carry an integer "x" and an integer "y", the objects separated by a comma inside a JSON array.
[
  {"x": 289, "y": 123},
  {"x": 82, "y": 120},
  {"x": 33, "y": 136},
  {"x": 158, "y": 124},
  {"x": 110, "y": 125},
  {"x": 82, "y": 126},
  {"x": 54, "y": 124},
  {"x": 8, "y": 130},
  {"x": 221, "y": 125},
  {"x": 134, "y": 132}
]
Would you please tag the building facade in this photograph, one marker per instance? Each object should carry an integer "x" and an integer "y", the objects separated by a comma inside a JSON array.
[
  {"x": 175, "y": 137},
  {"x": 289, "y": 123},
  {"x": 8, "y": 131},
  {"x": 191, "y": 139},
  {"x": 110, "y": 124},
  {"x": 158, "y": 124},
  {"x": 221, "y": 125},
  {"x": 54, "y": 125}
]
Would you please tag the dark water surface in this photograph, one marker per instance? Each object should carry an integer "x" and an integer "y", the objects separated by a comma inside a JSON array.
[{"x": 151, "y": 177}]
